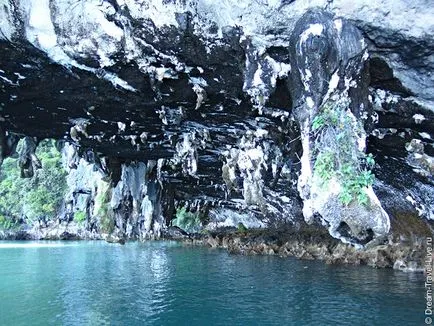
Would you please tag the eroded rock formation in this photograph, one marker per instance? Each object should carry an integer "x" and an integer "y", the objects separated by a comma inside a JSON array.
[{"x": 210, "y": 105}]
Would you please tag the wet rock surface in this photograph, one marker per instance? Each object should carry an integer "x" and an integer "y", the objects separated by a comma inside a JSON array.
[
  {"x": 54, "y": 230},
  {"x": 209, "y": 106},
  {"x": 313, "y": 242}
]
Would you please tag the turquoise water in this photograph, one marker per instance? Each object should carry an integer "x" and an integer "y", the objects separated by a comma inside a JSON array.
[{"x": 165, "y": 283}]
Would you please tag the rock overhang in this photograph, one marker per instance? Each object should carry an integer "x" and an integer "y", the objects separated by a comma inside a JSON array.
[{"x": 139, "y": 86}]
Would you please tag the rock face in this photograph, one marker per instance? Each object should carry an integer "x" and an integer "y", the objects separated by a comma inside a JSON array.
[
  {"x": 228, "y": 109},
  {"x": 310, "y": 242},
  {"x": 333, "y": 93}
]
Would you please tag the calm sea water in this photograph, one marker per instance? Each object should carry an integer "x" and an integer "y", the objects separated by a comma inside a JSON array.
[{"x": 166, "y": 283}]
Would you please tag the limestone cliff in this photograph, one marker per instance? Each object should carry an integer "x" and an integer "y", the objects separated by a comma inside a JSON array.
[{"x": 255, "y": 112}]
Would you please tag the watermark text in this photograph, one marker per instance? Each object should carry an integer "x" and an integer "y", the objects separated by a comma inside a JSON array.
[{"x": 429, "y": 281}]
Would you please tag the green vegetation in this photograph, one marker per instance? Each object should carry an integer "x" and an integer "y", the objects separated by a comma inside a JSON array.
[
  {"x": 79, "y": 216},
  {"x": 38, "y": 197},
  {"x": 103, "y": 208},
  {"x": 188, "y": 221},
  {"x": 337, "y": 154},
  {"x": 8, "y": 224},
  {"x": 241, "y": 228}
]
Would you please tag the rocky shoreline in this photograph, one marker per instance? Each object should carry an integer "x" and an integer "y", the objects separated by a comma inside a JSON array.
[
  {"x": 405, "y": 256},
  {"x": 302, "y": 241},
  {"x": 51, "y": 231}
]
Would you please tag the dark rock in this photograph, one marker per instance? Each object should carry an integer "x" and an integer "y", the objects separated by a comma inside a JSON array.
[
  {"x": 115, "y": 239},
  {"x": 68, "y": 236},
  {"x": 28, "y": 161},
  {"x": 175, "y": 233},
  {"x": 304, "y": 244},
  {"x": 193, "y": 110}
]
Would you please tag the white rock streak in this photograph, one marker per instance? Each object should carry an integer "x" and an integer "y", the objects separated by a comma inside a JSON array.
[{"x": 41, "y": 33}]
